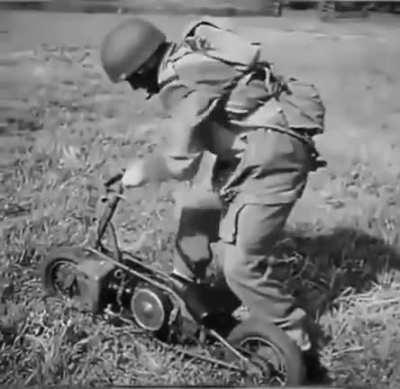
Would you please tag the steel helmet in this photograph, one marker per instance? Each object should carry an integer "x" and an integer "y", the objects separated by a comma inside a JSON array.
[{"x": 128, "y": 46}]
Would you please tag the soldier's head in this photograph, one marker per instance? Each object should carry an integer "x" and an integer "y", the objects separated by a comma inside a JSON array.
[{"x": 132, "y": 52}]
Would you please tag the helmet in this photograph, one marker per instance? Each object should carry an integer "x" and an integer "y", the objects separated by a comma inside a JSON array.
[{"x": 128, "y": 46}]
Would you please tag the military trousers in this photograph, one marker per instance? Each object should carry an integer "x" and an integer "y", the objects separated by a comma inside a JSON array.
[{"x": 251, "y": 271}]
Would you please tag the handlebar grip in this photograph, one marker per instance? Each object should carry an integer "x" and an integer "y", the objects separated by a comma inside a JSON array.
[{"x": 113, "y": 180}]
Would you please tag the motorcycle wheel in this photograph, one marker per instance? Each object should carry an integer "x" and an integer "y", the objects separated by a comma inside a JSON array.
[
  {"x": 275, "y": 360},
  {"x": 59, "y": 271}
]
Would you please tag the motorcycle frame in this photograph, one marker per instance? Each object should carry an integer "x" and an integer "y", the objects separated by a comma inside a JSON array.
[{"x": 104, "y": 222}]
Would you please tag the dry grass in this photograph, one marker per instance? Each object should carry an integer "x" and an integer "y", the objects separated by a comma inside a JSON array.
[{"x": 64, "y": 129}]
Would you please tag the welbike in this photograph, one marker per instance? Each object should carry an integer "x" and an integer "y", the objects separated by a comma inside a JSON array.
[{"x": 101, "y": 276}]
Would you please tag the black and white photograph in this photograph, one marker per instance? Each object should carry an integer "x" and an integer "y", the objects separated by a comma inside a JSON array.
[{"x": 200, "y": 193}]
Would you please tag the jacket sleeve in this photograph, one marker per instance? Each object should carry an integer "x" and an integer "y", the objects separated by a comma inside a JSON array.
[{"x": 185, "y": 133}]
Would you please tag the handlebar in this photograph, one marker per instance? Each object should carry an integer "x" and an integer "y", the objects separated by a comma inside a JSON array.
[{"x": 112, "y": 180}]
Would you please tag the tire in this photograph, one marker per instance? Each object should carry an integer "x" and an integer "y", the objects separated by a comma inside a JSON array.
[
  {"x": 283, "y": 351},
  {"x": 69, "y": 256}
]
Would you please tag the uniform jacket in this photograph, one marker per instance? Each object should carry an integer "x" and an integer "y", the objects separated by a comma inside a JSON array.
[{"x": 257, "y": 126}]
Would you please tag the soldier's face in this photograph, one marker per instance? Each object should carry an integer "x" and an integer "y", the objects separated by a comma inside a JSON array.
[
  {"x": 146, "y": 77},
  {"x": 144, "y": 80}
]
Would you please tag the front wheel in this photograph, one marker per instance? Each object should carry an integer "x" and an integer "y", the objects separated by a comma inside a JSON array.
[
  {"x": 59, "y": 271},
  {"x": 275, "y": 360}
]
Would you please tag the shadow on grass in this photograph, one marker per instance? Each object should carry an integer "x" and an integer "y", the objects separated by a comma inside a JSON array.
[{"x": 345, "y": 261}]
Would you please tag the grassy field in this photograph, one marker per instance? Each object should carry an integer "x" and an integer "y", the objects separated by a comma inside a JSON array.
[{"x": 63, "y": 128}]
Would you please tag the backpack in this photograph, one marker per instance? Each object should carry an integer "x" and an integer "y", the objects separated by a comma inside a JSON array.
[
  {"x": 300, "y": 100},
  {"x": 220, "y": 41}
]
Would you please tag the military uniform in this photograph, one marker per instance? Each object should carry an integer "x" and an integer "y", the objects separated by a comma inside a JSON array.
[{"x": 252, "y": 132}]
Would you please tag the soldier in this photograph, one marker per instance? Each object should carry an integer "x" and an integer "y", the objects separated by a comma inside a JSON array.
[{"x": 245, "y": 132}]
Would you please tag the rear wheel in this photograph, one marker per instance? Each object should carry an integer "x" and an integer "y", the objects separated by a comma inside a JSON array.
[{"x": 275, "y": 360}]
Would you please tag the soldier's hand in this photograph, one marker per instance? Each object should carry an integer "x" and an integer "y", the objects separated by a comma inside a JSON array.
[
  {"x": 134, "y": 175},
  {"x": 150, "y": 169}
]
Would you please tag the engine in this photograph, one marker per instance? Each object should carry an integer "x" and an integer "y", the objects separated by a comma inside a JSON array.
[
  {"x": 151, "y": 308},
  {"x": 103, "y": 285}
]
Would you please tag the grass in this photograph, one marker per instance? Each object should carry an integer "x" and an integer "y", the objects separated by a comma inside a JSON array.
[{"x": 64, "y": 130}]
